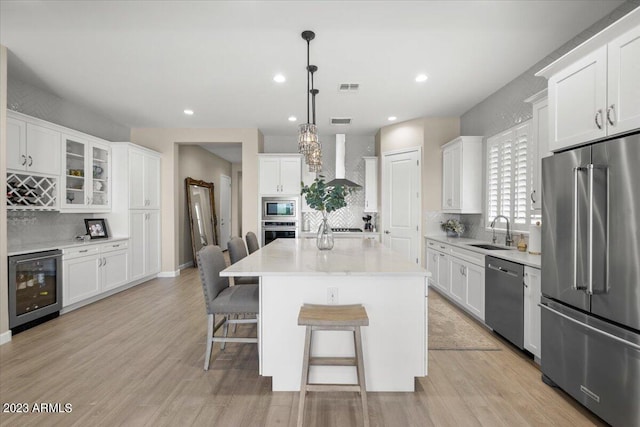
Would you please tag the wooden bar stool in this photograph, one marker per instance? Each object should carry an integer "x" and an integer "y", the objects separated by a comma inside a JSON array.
[{"x": 333, "y": 318}]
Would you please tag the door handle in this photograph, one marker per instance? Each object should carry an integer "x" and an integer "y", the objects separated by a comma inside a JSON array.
[
  {"x": 598, "y": 114},
  {"x": 609, "y": 110},
  {"x": 24, "y": 160},
  {"x": 104, "y": 261},
  {"x": 30, "y": 160},
  {"x": 99, "y": 262},
  {"x": 574, "y": 282},
  {"x": 502, "y": 270},
  {"x": 524, "y": 282},
  {"x": 532, "y": 199},
  {"x": 387, "y": 232}
]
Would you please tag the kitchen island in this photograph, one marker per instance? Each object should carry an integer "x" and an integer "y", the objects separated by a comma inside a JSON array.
[{"x": 356, "y": 271}]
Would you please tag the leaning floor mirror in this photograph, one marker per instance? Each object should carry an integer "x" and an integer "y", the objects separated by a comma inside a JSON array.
[{"x": 202, "y": 215}]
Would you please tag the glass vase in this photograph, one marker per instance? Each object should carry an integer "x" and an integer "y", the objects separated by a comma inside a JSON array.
[{"x": 324, "y": 239}]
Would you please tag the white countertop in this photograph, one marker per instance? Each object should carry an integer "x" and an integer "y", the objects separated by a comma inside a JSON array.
[
  {"x": 301, "y": 257},
  {"x": 60, "y": 244},
  {"x": 507, "y": 254}
]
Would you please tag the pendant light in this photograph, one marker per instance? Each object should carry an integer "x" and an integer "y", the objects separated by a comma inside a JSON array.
[{"x": 308, "y": 143}]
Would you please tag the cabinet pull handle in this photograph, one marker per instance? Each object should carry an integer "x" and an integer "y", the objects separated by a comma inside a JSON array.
[
  {"x": 30, "y": 160},
  {"x": 441, "y": 254},
  {"x": 116, "y": 246},
  {"x": 609, "y": 110},
  {"x": 83, "y": 251},
  {"x": 24, "y": 160},
  {"x": 532, "y": 199},
  {"x": 104, "y": 261},
  {"x": 99, "y": 262},
  {"x": 598, "y": 114},
  {"x": 525, "y": 280},
  {"x": 442, "y": 247}
]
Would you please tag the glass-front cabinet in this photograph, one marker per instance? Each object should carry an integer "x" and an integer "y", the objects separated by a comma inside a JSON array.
[{"x": 86, "y": 184}]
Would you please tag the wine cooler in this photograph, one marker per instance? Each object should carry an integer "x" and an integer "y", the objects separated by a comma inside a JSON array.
[{"x": 35, "y": 288}]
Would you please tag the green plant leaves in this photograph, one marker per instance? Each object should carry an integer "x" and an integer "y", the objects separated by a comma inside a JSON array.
[{"x": 321, "y": 197}]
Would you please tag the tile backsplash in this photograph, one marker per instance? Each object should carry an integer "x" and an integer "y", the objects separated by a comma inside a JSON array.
[{"x": 27, "y": 227}]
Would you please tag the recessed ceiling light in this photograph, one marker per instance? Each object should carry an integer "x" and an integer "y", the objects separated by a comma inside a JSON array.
[
  {"x": 421, "y": 78},
  {"x": 292, "y": 118},
  {"x": 279, "y": 78},
  {"x": 188, "y": 112},
  {"x": 392, "y": 118}
]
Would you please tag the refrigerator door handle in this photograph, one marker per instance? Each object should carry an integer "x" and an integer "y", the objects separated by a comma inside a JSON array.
[
  {"x": 574, "y": 282},
  {"x": 591, "y": 328},
  {"x": 590, "y": 233}
]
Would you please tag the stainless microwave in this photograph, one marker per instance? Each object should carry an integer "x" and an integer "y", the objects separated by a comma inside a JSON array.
[{"x": 279, "y": 208}]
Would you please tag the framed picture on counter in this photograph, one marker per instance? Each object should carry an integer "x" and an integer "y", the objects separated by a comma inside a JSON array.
[{"x": 96, "y": 228}]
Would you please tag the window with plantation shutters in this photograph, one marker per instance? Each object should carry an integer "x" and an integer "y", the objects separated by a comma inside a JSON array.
[{"x": 507, "y": 177}]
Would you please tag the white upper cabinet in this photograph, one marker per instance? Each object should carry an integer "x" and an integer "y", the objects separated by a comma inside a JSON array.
[
  {"x": 86, "y": 184},
  {"x": 462, "y": 175},
  {"x": 32, "y": 148},
  {"x": 371, "y": 184},
  {"x": 280, "y": 175},
  {"x": 594, "y": 90},
  {"x": 144, "y": 180},
  {"x": 539, "y": 147},
  {"x": 623, "y": 89},
  {"x": 578, "y": 96}
]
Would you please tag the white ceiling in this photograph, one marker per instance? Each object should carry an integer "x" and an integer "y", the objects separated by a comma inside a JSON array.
[{"x": 141, "y": 63}]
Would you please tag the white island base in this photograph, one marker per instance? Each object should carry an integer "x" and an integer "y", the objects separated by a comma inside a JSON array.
[{"x": 393, "y": 291}]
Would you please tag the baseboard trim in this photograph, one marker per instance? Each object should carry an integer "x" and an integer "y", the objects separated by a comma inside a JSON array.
[
  {"x": 5, "y": 337},
  {"x": 174, "y": 273},
  {"x": 186, "y": 265}
]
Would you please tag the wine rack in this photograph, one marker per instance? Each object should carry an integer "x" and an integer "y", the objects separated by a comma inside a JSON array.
[{"x": 31, "y": 192}]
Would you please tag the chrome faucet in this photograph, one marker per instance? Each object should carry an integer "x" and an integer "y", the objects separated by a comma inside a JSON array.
[{"x": 507, "y": 239}]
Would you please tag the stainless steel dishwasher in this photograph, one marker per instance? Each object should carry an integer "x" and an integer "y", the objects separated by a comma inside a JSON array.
[{"x": 504, "y": 299}]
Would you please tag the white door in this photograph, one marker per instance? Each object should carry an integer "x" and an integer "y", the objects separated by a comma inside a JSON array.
[
  {"x": 401, "y": 203},
  {"x": 225, "y": 211},
  {"x": 137, "y": 224}
]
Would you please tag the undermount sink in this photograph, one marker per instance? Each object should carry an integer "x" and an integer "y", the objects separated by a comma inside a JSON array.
[{"x": 489, "y": 247}]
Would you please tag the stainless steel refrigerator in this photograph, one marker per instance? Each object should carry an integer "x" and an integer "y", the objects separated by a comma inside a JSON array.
[{"x": 591, "y": 276}]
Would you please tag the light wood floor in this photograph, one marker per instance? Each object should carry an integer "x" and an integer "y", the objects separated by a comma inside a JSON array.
[{"x": 136, "y": 359}]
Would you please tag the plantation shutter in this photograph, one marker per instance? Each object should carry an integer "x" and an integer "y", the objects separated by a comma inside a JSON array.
[{"x": 507, "y": 177}]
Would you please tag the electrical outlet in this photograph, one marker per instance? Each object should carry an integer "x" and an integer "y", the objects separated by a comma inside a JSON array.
[{"x": 332, "y": 295}]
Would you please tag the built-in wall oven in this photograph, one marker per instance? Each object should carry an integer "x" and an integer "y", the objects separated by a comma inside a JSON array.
[
  {"x": 35, "y": 288},
  {"x": 279, "y": 218}
]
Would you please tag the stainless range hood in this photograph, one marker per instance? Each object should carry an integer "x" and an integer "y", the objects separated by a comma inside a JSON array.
[{"x": 340, "y": 164}]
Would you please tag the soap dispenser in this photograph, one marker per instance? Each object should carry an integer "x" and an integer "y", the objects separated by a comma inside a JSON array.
[{"x": 522, "y": 244}]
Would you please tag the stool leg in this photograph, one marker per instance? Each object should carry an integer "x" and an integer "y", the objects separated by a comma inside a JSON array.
[
  {"x": 361, "y": 380},
  {"x": 305, "y": 375},
  {"x": 225, "y": 330}
]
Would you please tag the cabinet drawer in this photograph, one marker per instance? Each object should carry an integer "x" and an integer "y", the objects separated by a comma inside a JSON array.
[
  {"x": 116, "y": 246},
  {"x": 469, "y": 256},
  {"x": 438, "y": 246},
  {"x": 80, "y": 251}
]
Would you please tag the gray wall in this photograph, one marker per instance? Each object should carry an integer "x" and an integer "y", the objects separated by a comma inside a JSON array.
[{"x": 28, "y": 99}]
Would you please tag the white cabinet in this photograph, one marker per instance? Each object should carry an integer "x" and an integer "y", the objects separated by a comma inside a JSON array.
[
  {"x": 462, "y": 175},
  {"x": 539, "y": 147},
  {"x": 598, "y": 94},
  {"x": 144, "y": 180},
  {"x": 86, "y": 183},
  {"x": 458, "y": 274},
  {"x": 370, "y": 184},
  {"x": 32, "y": 148},
  {"x": 279, "y": 175},
  {"x": 91, "y": 270},
  {"x": 532, "y": 316},
  {"x": 145, "y": 243}
]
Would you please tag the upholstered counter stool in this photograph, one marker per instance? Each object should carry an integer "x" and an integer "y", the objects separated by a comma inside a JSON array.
[{"x": 333, "y": 318}]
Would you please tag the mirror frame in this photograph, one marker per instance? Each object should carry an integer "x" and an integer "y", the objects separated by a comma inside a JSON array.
[{"x": 188, "y": 183}]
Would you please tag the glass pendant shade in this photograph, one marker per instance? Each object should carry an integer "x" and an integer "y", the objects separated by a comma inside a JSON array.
[
  {"x": 314, "y": 158},
  {"x": 307, "y": 138}
]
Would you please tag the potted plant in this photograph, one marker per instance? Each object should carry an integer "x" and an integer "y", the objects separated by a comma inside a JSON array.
[
  {"x": 326, "y": 199},
  {"x": 453, "y": 227}
]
